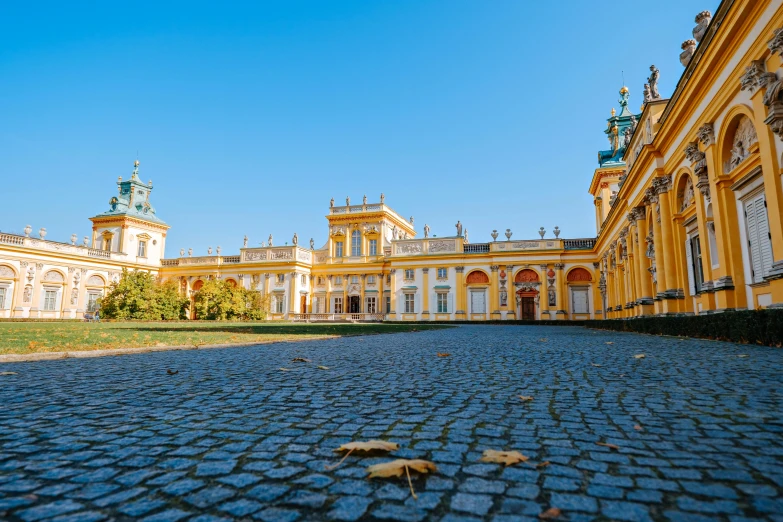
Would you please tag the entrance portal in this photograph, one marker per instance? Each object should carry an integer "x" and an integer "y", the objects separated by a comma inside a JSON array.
[
  {"x": 528, "y": 305},
  {"x": 355, "y": 304}
]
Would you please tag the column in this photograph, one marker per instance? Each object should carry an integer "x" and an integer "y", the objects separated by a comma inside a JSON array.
[
  {"x": 494, "y": 298},
  {"x": 511, "y": 298},
  {"x": 37, "y": 290},
  {"x": 560, "y": 288},
  {"x": 381, "y": 305},
  {"x": 362, "y": 305},
  {"x": 543, "y": 295},
  {"x": 643, "y": 262},
  {"x": 425, "y": 298},
  {"x": 393, "y": 293},
  {"x": 346, "y": 281},
  {"x": 634, "y": 254},
  {"x": 673, "y": 289},
  {"x": 328, "y": 307},
  {"x": 293, "y": 297},
  {"x": 311, "y": 295},
  {"x": 660, "y": 275},
  {"x": 461, "y": 305}
]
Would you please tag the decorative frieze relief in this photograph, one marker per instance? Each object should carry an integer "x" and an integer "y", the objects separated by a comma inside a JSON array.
[
  {"x": 750, "y": 78},
  {"x": 409, "y": 248},
  {"x": 776, "y": 44},
  {"x": 706, "y": 134},
  {"x": 442, "y": 246}
]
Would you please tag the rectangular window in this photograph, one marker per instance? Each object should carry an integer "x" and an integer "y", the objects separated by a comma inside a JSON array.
[
  {"x": 106, "y": 243},
  {"x": 698, "y": 272},
  {"x": 409, "y": 273},
  {"x": 2, "y": 298},
  {"x": 279, "y": 305},
  {"x": 92, "y": 302},
  {"x": 371, "y": 305},
  {"x": 373, "y": 247},
  {"x": 304, "y": 280},
  {"x": 338, "y": 249},
  {"x": 142, "y": 249},
  {"x": 50, "y": 300},
  {"x": 759, "y": 243},
  {"x": 280, "y": 278},
  {"x": 443, "y": 306},
  {"x": 388, "y": 304},
  {"x": 371, "y": 280},
  {"x": 338, "y": 305},
  {"x": 320, "y": 280},
  {"x": 388, "y": 279},
  {"x": 410, "y": 306},
  {"x": 338, "y": 280},
  {"x": 443, "y": 273},
  {"x": 356, "y": 243},
  {"x": 580, "y": 304},
  {"x": 354, "y": 279}
]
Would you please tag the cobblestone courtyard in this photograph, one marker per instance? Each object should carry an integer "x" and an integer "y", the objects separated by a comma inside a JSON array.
[{"x": 699, "y": 427}]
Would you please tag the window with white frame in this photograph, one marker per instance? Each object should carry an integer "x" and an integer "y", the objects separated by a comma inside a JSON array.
[
  {"x": 281, "y": 278},
  {"x": 443, "y": 273},
  {"x": 579, "y": 298},
  {"x": 443, "y": 302},
  {"x": 3, "y": 291},
  {"x": 371, "y": 305},
  {"x": 356, "y": 243},
  {"x": 388, "y": 304},
  {"x": 304, "y": 280},
  {"x": 338, "y": 249},
  {"x": 370, "y": 279},
  {"x": 759, "y": 239},
  {"x": 338, "y": 280},
  {"x": 410, "y": 303},
  {"x": 409, "y": 273},
  {"x": 354, "y": 279},
  {"x": 338, "y": 305},
  {"x": 106, "y": 243},
  {"x": 388, "y": 279},
  {"x": 279, "y": 304},
  {"x": 142, "y": 249},
  {"x": 373, "y": 247},
  {"x": 92, "y": 301},
  {"x": 320, "y": 280},
  {"x": 694, "y": 259},
  {"x": 50, "y": 300}
]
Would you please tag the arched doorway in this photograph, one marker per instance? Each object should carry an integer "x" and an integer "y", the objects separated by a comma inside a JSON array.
[
  {"x": 527, "y": 282},
  {"x": 477, "y": 284}
]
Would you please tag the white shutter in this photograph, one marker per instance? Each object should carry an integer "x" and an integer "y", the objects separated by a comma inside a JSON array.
[
  {"x": 689, "y": 262},
  {"x": 417, "y": 304},
  {"x": 451, "y": 303},
  {"x": 762, "y": 229},
  {"x": 751, "y": 218}
]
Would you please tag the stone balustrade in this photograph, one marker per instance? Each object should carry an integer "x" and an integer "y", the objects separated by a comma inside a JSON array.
[{"x": 54, "y": 246}]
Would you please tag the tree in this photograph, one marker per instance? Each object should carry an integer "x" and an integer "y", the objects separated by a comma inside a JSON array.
[
  {"x": 139, "y": 295},
  {"x": 220, "y": 300}
]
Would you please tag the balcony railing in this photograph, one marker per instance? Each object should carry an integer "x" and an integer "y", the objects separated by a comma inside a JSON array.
[
  {"x": 69, "y": 248},
  {"x": 231, "y": 259},
  {"x": 579, "y": 244},
  {"x": 11, "y": 239},
  {"x": 476, "y": 248},
  {"x": 354, "y": 318}
]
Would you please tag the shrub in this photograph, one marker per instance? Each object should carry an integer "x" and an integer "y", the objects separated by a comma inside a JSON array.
[
  {"x": 140, "y": 295},
  {"x": 746, "y": 326},
  {"x": 220, "y": 300}
]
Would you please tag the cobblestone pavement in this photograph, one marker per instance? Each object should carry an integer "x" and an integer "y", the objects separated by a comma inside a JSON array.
[{"x": 231, "y": 436}]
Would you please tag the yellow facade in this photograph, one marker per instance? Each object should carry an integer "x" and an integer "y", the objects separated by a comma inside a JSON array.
[{"x": 688, "y": 210}]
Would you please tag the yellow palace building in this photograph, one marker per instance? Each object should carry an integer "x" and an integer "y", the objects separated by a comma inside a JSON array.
[{"x": 688, "y": 209}]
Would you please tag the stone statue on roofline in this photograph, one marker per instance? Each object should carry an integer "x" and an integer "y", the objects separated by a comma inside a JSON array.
[
  {"x": 653, "y": 81},
  {"x": 295, "y": 239},
  {"x": 244, "y": 242},
  {"x": 459, "y": 228},
  {"x": 312, "y": 244},
  {"x": 270, "y": 240},
  {"x": 426, "y": 230}
]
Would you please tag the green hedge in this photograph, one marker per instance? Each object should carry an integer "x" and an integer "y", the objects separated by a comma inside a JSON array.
[{"x": 750, "y": 326}]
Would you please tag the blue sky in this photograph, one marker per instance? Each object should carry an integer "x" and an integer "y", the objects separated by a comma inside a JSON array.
[{"x": 250, "y": 116}]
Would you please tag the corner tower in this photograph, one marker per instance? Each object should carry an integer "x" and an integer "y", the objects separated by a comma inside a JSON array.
[{"x": 130, "y": 226}]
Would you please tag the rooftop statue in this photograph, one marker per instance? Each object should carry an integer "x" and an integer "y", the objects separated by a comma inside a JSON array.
[{"x": 653, "y": 81}]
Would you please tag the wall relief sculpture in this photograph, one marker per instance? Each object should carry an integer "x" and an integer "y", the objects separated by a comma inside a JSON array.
[
  {"x": 744, "y": 137},
  {"x": 409, "y": 248},
  {"x": 282, "y": 254},
  {"x": 443, "y": 246},
  {"x": 251, "y": 255}
]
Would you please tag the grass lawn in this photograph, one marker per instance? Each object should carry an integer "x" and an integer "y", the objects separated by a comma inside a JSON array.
[{"x": 32, "y": 337}]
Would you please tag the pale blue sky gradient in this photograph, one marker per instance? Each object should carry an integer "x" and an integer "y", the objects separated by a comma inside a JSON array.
[{"x": 250, "y": 116}]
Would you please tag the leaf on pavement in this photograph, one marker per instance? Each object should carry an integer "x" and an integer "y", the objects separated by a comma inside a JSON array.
[
  {"x": 322, "y": 367},
  {"x": 370, "y": 445},
  {"x": 503, "y": 457},
  {"x": 637, "y": 427},
  {"x": 743, "y": 355},
  {"x": 607, "y": 445},
  {"x": 596, "y": 365},
  {"x": 172, "y": 372},
  {"x": 542, "y": 340},
  {"x": 300, "y": 359},
  {"x": 550, "y": 514},
  {"x": 284, "y": 370},
  {"x": 525, "y": 398},
  {"x": 7, "y": 373},
  {"x": 607, "y": 342},
  {"x": 396, "y": 467},
  {"x": 639, "y": 356},
  {"x": 444, "y": 354},
  {"x": 543, "y": 464}
]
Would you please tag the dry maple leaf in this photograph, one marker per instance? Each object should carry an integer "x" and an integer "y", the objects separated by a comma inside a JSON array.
[
  {"x": 637, "y": 427},
  {"x": 550, "y": 514},
  {"x": 503, "y": 457},
  {"x": 396, "y": 467},
  {"x": 300, "y": 359},
  {"x": 639, "y": 356},
  {"x": 543, "y": 464},
  {"x": 543, "y": 340},
  {"x": 370, "y": 445},
  {"x": 7, "y": 373},
  {"x": 323, "y": 367},
  {"x": 607, "y": 445},
  {"x": 525, "y": 397},
  {"x": 444, "y": 354}
]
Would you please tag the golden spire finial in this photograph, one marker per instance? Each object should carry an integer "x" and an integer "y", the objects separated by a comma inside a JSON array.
[
  {"x": 136, "y": 163},
  {"x": 613, "y": 111}
]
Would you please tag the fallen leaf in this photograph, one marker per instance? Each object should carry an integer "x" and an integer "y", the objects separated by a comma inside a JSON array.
[
  {"x": 171, "y": 372},
  {"x": 444, "y": 354},
  {"x": 8, "y": 373},
  {"x": 639, "y": 356},
  {"x": 596, "y": 365},
  {"x": 543, "y": 340},
  {"x": 284, "y": 370},
  {"x": 550, "y": 514},
  {"x": 322, "y": 367},
  {"x": 503, "y": 457},
  {"x": 526, "y": 397},
  {"x": 370, "y": 445},
  {"x": 607, "y": 342},
  {"x": 607, "y": 445},
  {"x": 543, "y": 464},
  {"x": 300, "y": 359},
  {"x": 396, "y": 467},
  {"x": 637, "y": 427},
  {"x": 742, "y": 355}
]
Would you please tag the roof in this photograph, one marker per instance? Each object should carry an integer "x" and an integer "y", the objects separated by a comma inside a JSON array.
[{"x": 132, "y": 200}]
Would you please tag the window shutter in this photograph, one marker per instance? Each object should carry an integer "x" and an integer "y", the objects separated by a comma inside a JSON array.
[
  {"x": 417, "y": 304},
  {"x": 765, "y": 244},
  {"x": 689, "y": 262},
  {"x": 751, "y": 219},
  {"x": 451, "y": 303}
]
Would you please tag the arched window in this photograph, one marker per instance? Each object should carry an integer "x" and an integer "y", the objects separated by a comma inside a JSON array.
[
  {"x": 356, "y": 243},
  {"x": 526, "y": 276},
  {"x": 579, "y": 274},
  {"x": 477, "y": 276}
]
